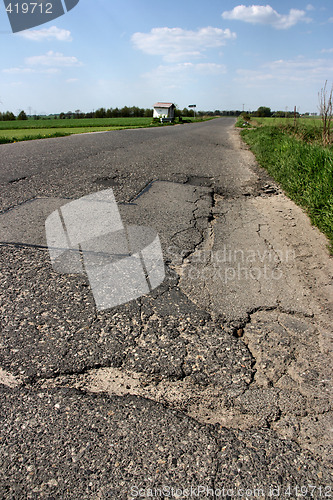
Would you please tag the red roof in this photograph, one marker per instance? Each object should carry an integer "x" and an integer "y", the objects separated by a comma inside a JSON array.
[{"x": 163, "y": 105}]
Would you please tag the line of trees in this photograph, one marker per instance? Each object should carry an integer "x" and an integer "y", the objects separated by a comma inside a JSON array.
[
  {"x": 264, "y": 111},
  {"x": 9, "y": 116},
  {"x": 190, "y": 112},
  {"x": 134, "y": 111},
  {"x": 125, "y": 112},
  {"x": 218, "y": 112}
]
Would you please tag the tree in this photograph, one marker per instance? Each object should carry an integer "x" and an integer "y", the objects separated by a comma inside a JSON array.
[
  {"x": 326, "y": 108},
  {"x": 100, "y": 113},
  {"x": 22, "y": 116},
  {"x": 262, "y": 111},
  {"x": 78, "y": 114},
  {"x": 279, "y": 114},
  {"x": 8, "y": 116},
  {"x": 125, "y": 112}
]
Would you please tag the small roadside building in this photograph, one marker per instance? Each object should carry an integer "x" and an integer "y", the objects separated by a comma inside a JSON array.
[{"x": 164, "y": 110}]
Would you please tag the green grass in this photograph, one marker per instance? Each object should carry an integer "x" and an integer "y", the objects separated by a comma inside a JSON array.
[
  {"x": 316, "y": 121},
  {"x": 46, "y": 133},
  {"x": 296, "y": 159},
  {"x": 307, "y": 129},
  {"x": 8, "y": 136},
  {"x": 75, "y": 123},
  {"x": 26, "y": 130}
]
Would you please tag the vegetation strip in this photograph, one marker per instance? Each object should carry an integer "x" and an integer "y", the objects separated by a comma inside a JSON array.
[
  {"x": 296, "y": 158},
  {"x": 14, "y": 131}
]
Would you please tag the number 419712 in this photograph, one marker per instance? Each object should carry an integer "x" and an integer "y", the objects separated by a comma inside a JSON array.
[
  {"x": 309, "y": 490},
  {"x": 29, "y": 8}
]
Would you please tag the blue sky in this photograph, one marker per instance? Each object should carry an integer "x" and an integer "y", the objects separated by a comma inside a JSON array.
[{"x": 215, "y": 54}]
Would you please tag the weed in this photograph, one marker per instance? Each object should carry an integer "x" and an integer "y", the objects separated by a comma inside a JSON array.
[{"x": 302, "y": 166}]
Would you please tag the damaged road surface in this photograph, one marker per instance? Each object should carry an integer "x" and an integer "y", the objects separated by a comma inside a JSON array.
[{"x": 217, "y": 384}]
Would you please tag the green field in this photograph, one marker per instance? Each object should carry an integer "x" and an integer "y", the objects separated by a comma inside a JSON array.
[
  {"x": 23, "y": 130},
  {"x": 296, "y": 158},
  {"x": 16, "y": 135},
  {"x": 75, "y": 123},
  {"x": 316, "y": 121}
]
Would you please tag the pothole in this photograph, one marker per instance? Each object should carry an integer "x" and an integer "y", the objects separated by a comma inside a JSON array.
[
  {"x": 106, "y": 181},
  {"x": 206, "y": 404},
  {"x": 238, "y": 333},
  {"x": 198, "y": 180}
]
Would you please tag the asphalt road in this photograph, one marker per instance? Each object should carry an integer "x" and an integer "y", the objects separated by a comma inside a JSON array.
[{"x": 217, "y": 384}]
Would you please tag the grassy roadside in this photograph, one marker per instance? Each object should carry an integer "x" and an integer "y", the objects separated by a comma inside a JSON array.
[{"x": 299, "y": 163}]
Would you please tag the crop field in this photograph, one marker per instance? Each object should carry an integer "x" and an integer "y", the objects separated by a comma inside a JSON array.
[
  {"x": 74, "y": 123},
  {"x": 20, "y": 130},
  {"x": 23, "y": 130},
  {"x": 311, "y": 120},
  {"x": 297, "y": 159},
  {"x": 21, "y": 134}
]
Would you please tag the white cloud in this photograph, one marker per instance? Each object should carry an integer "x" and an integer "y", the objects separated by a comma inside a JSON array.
[
  {"x": 260, "y": 14},
  {"x": 299, "y": 70},
  {"x": 175, "y": 44},
  {"x": 330, "y": 20},
  {"x": 15, "y": 71},
  {"x": 52, "y": 59},
  {"x": 52, "y": 33},
  {"x": 72, "y": 80},
  {"x": 327, "y": 51},
  {"x": 22, "y": 71},
  {"x": 310, "y": 7}
]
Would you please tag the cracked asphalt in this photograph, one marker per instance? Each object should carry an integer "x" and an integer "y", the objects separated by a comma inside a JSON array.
[{"x": 218, "y": 384}]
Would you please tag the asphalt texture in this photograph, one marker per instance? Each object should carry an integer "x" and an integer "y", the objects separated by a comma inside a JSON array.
[{"x": 217, "y": 384}]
